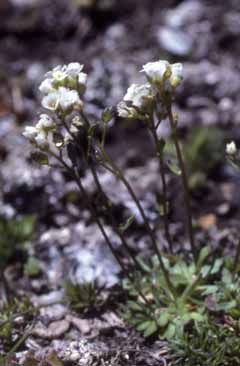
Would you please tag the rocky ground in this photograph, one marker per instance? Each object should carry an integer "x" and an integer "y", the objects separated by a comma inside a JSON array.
[{"x": 112, "y": 42}]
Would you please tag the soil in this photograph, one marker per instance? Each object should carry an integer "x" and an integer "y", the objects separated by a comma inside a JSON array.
[{"x": 112, "y": 42}]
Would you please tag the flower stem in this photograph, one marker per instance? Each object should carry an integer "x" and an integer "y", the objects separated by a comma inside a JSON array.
[
  {"x": 119, "y": 174},
  {"x": 184, "y": 182},
  {"x": 94, "y": 215},
  {"x": 106, "y": 199},
  {"x": 164, "y": 186},
  {"x": 236, "y": 259}
]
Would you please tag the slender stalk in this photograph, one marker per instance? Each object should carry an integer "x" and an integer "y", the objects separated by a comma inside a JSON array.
[
  {"x": 77, "y": 179},
  {"x": 107, "y": 201},
  {"x": 184, "y": 182},
  {"x": 236, "y": 259},
  {"x": 5, "y": 286},
  {"x": 164, "y": 186},
  {"x": 119, "y": 174},
  {"x": 116, "y": 229}
]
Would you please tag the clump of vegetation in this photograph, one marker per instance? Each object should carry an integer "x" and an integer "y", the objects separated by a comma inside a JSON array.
[
  {"x": 210, "y": 344},
  {"x": 169, "y": 296},
  {"x": 15, "y": 238},
  {"x": 14, "y": 316},
  {"x": 84, "y": 298},
  {"x": 170, "y": 314}
]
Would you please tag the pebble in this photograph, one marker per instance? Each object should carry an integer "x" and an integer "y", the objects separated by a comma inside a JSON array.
[{"x": 174, "y": 41}]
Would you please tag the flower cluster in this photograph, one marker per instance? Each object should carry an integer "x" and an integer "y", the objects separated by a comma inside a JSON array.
[
  {"x": 41, "y": 134},
  {"x": 63, "y": 87},
  {"x": 163, "y": 78},
  {"x": 62, "y": 90}
]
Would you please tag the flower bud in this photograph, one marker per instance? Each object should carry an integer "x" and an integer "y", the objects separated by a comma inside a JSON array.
[{"x": 231, "y": 148}]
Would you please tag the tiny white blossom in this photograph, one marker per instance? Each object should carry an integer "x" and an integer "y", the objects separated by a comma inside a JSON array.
[
  {"x": 163, "y": 74},
  {"x": 46, "y": 86},
  {"x": 41, "y": 140},
  {"x": 59, "y": 76},
  {"x": 51, "y": 101},
  {"x": 45, "y": 122},
  {"x": 30, "y": 132},
  {"x": 74, "y": 69},
  {"x": 231, "y": 148},
  {"x": 138, "y": 95},
  {"x": 156, "y": 71},
  {"x": 68, "y": 98},
  {"x": 177, "y": 74},
  {"x": 126, "y": 112},
  {"x": 82, "y": 78}
]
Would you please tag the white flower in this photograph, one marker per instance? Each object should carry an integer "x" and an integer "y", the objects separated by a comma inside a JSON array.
[
  {"x": 46, "y": 86},
  {"x": 138, "y": 95},
  {"x": 68, "y": 98},
  {"x": 177, "y": 74},
  {"x": 51, "y": 101},
  {"x": 59, "y": 76},
  {"x": 231, "y": 148},
  {"x": 30, "y": 132},
  {"x": 74, "y": 69},
  {"x": 82, "y": 78},
  {"x": 163, "y": 74},
  {"x": 45, "y": 122},
  {"x": 157, "y": 71},
  {"x": 41, "y": 140},
  {"x": 126, "y": 112}
]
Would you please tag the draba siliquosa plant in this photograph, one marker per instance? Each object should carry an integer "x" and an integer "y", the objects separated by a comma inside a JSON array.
[{"x": 65, "y": 138}]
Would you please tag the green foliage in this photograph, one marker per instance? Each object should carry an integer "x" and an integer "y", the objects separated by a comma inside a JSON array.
[
  {"x": 224, "y": 295},
  {"x": 204, "y": 149},
  {"x": 168, "y": 315},
  {"x": 84, "y": 298},
  {"x": 10, "y": 329},
  {"x": 32, "y": 267},
  {"x": 15, "y": 234},
  {"x": 215, "y": 345}
]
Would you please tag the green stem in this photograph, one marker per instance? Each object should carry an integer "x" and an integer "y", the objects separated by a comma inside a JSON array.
[
  {"x": 236, "y": 259},
  {"x": 184, "y": 182},
  {"x": 119, "y": 174},
  {"x": 106, "y": 199},
  {"x": 164, "y": 186},
  {"x": 77, "y": 179}
]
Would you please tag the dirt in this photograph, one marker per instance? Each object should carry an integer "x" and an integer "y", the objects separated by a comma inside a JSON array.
[{"x": 113, "y": 43}]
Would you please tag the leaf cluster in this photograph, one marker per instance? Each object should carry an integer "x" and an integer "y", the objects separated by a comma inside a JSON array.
[
  {"x": 15, "y": 234},
  {"x": 84, "y": 298},
  {"x": 208, "y": 344},
  {"x": 166, "y": 315}
]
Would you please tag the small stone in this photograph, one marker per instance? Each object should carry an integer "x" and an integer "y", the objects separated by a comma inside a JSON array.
[
  {"x": 188, "y": 12},
  {"x": 175, "y": 41}
]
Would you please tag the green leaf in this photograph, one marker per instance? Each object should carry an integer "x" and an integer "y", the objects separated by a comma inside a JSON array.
[
  {"x": 40, "y": 158},
  {"x": 163, "y": 319},
  {"x": 204, "y": 253},
  {"x": 197, "y": 316},
  {"x": 151, "y": 329},
  {"x": 174, "y": 168},
  {"x": 217, "y": 265},
  {"x": 227, "y": 305},
  {"x": 128, "y": 223},
  {"x": 170, "y": 332},
  {"x": 107, "y": 115},
  {"x": 161, "y": 145},
  {"x": 32, "y": 267}
]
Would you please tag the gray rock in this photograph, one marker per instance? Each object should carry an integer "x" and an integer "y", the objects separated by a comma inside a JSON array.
[
  {"x": 175, "y": 41},
  {"x": 187, "y": 12}
]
